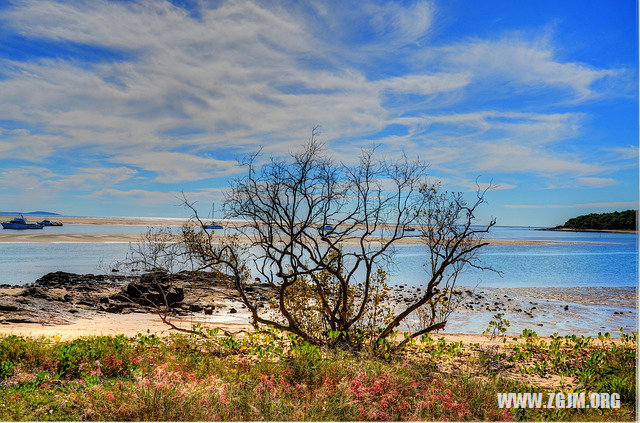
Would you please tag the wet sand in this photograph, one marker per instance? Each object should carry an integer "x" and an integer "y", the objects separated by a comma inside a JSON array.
[
  {"x": 582, "y": 311},
  {"x": 43, "y": 237},
  {"x": 575, "y": 310},
  {"x": 146, "y": 221}
]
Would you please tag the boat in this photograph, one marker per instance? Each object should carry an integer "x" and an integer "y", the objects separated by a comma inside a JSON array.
[
  {"x": 47, "y": 222},
  {"x": 20, "y": 223},
  {"x": 213, "y": 224},
  {"x": 326, "y": 229},
  {"x": 407, "y": 229}
]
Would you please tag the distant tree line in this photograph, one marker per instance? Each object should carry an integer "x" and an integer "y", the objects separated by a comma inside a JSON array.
[{"x": 615, "y": 220}]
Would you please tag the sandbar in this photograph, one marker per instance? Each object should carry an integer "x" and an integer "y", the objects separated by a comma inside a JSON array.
[{"x": 43, "y": 237}]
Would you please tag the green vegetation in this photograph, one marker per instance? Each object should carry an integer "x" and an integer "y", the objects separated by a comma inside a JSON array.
[
  {"x": 625, "y": 220},
  {"x": 274, "y": 376},
  {"x": 497, "y": 326}
]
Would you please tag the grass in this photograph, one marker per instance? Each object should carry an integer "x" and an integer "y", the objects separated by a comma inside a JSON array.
[{"x": 270, "y": 376}]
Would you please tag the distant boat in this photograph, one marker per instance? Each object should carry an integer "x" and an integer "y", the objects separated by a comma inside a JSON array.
[
  {"x": 406, "y": 229},
  {"x": 325, "y": 229},
  {"x": 213, "y": 224},
  {"x": 47, "y": 222},
  {"x": 20, "y": 223}
]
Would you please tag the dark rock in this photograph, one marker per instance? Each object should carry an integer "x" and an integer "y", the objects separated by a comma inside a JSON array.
[
  {"x": 104, "y": 300},
  {"x": 233, "y": 310},
  {"x": 19, "y": 320},
  {"x": 115, "y": 307},
  {"x": 566, "y": 308},
  {"x": 154, "y": 294},
  {"x": 9, "y": 307}
]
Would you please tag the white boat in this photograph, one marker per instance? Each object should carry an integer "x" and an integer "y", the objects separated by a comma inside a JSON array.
[
  {"x": 48, "y": 222},
  {"x": 21, "y": 223}
]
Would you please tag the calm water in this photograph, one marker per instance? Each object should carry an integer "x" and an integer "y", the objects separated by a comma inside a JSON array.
[{"x": 611, "y": 264}]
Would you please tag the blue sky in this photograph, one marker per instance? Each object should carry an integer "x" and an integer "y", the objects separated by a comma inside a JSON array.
[{"x": 114, "y": 107}]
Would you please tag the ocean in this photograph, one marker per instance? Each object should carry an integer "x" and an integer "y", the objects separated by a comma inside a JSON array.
[{"x": 611, "y": 262}]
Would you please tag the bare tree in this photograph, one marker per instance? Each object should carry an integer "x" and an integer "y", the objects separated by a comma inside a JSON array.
[
  {"x": 452, "y": 241},
  {"x": 322, "y": 233}
]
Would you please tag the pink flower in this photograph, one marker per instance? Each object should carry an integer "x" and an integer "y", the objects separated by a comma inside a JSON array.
[
  {"x": 109, "y": 396},
  {"x": 223, "y": 398},
  {"x": 422, "y": 404}
]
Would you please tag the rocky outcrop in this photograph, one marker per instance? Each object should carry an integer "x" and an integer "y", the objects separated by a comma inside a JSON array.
[{"x": 60, "y": 297}]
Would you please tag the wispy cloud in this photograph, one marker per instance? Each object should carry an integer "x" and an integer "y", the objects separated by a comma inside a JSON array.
[
  {"x": 239, "y": 74},
  {"x": 149, "y": 197},
  {"x": 517, "y": 63},
  {"x": 597, "y": 182},
  {"x": 626, "y": 153}
]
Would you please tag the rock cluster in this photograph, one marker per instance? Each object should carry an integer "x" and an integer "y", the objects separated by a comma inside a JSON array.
[{"x": 60, "y": 297}]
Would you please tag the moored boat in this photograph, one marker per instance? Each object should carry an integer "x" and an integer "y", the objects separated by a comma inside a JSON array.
[
  {"x": 20, "y": 223},
  {"x": 213, "y": 224},
  {"x": 47, "y": 222},
  {"x": 325, "y": 229}
]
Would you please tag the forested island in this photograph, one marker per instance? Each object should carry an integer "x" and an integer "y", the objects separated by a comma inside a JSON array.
[{"x": 614, "y": 221}]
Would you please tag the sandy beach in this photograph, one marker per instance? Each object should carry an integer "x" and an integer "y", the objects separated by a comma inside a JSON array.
[
  {"x": 111, "y": 324},
  {"x": 40, "y": 237},
  {"x": 135, "y": 323},
  {"x": 145, "y": 221},
  {"x": 44, "y": 237}
]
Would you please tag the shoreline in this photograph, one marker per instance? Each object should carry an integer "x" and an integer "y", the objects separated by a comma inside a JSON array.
[
  {"x": 174, "y": 221},
  {"x": 31, "y": 237},
  {"x": 613, "y": 231},
  {"x": 69, "y": 305}
]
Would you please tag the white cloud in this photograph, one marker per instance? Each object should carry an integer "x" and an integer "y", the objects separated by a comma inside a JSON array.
[
  {"x": 45, "y": 179},
  {"x": 179, "y": 167},
  {"x": 595, "y": 182},
  {"x": 490, "y": 186},
  {"x": 426, "y": 84},
  {"x": 626, "y": 153},
  {"x": 248, "y": 73},
  {"x": 150, "y": 197},
  {"x": 520, "y": 64}
]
